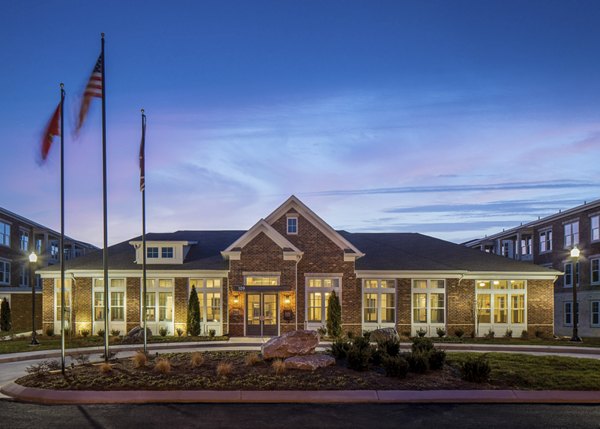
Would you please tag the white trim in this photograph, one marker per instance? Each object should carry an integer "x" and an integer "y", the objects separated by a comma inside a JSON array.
[
  {"x": 161, "y": 274},
  {"x": 323, "y": 290},
  {"x": 261, "y": 226},
  {"x": 592, "y": 324},
  {"x": 287, "y": 225},
  {"x": 467, "y": 275},
  {"x": 378, "y": 291},
  {"x": 294, "y": 203}
]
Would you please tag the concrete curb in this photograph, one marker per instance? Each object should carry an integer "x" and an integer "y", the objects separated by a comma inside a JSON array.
[{"x": 43, "y": 396}]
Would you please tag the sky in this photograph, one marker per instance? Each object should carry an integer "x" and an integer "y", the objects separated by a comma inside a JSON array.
[{"x": 454, "y": 119}]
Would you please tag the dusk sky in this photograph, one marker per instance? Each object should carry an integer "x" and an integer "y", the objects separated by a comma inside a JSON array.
[{"x": 450, "y": 118}]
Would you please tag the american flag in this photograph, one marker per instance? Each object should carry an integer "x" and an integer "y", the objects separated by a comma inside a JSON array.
[{"x": 93, "y": 89}]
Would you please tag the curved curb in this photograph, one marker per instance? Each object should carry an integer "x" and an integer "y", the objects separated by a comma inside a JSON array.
[{"x": 44, "y": 396}]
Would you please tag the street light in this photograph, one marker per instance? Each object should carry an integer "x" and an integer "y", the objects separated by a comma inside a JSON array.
[
  {"x": 575, "y": 252},
  {"x": 32, "y": 260}
]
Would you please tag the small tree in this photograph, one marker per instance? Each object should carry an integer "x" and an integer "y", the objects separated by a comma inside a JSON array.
[
  {"x": 5, "y": 319},
  {"x": 334, "y": 316},
  {"x": 193, "y": 316}
]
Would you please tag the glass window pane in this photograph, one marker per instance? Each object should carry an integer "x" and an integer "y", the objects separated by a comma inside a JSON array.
[
  {"x": 500, "y": 310},
  {"x": 371, "y": 284},
  {"x": 484, "y": 308},
  {"x": 420, "y": 284}
]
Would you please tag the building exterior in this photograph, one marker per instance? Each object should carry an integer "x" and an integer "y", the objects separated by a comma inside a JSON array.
[
  {"x": 278, "y": 275},
  {"x": 547, "y": 242},
  {"x": 18, "y": 238}
]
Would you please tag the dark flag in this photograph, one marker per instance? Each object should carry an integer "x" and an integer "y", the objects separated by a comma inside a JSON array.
[
  {"x": 93, "y": 89},
  {"x": 142, "y": 149},
  {"x": 52, "y": 130}
]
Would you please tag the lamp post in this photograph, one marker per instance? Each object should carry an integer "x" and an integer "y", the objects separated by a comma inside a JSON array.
[
  {"x": 575, "y": 252},
  {"x": 32, "y": 261}
]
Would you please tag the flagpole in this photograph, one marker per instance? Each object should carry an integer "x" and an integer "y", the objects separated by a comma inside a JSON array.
[
  {"x": 143, "y": 186},
  {"x": 62, "y": 229},
  {"x": 104, "y": 206}
]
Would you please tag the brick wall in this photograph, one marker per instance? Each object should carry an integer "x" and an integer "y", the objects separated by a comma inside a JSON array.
[
  {"x": 81, "y": 304},
  {"x": 181, "y": 301},
  {"x": 540, "y": 306},
  {"x": 48, "y": 304},
  {"x": 20, "y": 311},
  {"x": 460, "y": 299},
  {"x": 133, "y": 293},
  {"x": 403, "y": 316}
]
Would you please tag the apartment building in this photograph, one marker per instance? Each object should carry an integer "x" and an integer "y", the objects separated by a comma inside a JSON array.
[
  {"x": 19, "y": 237},
  {"x": 547, "y": 242}
]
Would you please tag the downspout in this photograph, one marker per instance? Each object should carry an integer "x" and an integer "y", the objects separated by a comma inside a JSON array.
[
  {"x": 296, "y": 297},
  {"x": 227, "y": 294}
]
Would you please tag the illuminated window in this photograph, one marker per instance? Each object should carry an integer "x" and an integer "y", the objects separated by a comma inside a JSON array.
[
  {"x": 379, "y": 301},
  {"x": 317, "y": 296},
  {"x": 428, "y": 301},
  {"x": 261, "y": 280},
  {"x": 500, "y": 301}
]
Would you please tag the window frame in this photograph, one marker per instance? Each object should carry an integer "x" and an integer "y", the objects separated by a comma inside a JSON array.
[
  {"x": 597, "y": 312},
  {"x": 294, "y": 224},
  {"x": 495, "y": 289},
  {"x": 379, "y": 290},
  {"x": 24, "y": 276},
  {"x": 572, "y": 236},
  {"x": 597, "y": 261},
  {"x": 204, "y": 290},
  {"x": 545, "y": 239},
  {"x": 428, "y": 291},
  {"x": 24, "y": 234},
  {"x": 5, "y": 230},
  {"x": 570, "y": 312},
  {"x": 5, "y": 271},
  {"x": 570, "y": 273},
  {"x": 593, "y": 229},
  {"x": 166, "y": 251},
  {"x": 151, "y": 256},
  {"x": 336, "y": 285}
]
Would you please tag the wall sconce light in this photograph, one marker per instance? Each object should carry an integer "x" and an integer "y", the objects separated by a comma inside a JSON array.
[
  {"x": 236, "y": 299},
  {"x": 286, "y": 299}
]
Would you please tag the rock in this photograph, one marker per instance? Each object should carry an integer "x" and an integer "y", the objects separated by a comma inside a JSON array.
[
  {"x": 384, "y": 334},
  {"x": 136, "y": 335},
  {"x": 294, "y": 343},
  {"x": 309, "y": 362}
]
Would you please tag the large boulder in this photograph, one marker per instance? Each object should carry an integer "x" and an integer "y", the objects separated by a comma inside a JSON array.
[
  {"x": 136, "y": 335},
  {"x": 384, "y": 334},
  {"x": 309, "y": 362},
  {"x": 294, "y": 343}
]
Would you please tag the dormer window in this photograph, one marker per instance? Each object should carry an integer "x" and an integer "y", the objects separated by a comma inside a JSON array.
[
  {"x": 152, "y": 252},
  {"x": 167, "y": 252},
  {"x": 292, "y": 225}
]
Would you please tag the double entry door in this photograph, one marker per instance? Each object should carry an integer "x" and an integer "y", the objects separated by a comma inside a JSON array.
[{"x": 261, "y": 319}]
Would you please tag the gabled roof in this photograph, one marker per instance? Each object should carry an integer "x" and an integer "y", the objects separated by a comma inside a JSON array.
[
  {"x": 261, "y": 227},
  {"x": 294, "y": 203}
]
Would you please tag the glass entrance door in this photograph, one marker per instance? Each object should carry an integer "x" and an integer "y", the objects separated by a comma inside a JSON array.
[{"x": 261, "y": 310}]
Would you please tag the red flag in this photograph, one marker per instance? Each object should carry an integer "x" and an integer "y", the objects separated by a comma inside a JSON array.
[
  {"x": 93, "y": 89},
  {"x": 52, "y": 129}
]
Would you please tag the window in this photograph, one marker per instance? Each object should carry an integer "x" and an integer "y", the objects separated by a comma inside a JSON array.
[
  {"x": 159, "y": 301},
  {"x": 117, "y": 306},
  {"x": 24, "y": 241},
  {"x": 595, "y": 228},
  {"x": 261, "y": 280},
  {"x": 167, "y": 252},
  {"x": 117, "y": 300},
  {"x": 5, "y": 234},
  {"x": 568, "y": 278},
  {"x": 571, "y": 234},
  {"x": 595, "y": 313},
  {"x": 152, "y": 252},
  {"x": 292, "y": 225},
  {"x": 526, "y": 245},
  {"x": 98, "y": 306},
  {"x": 58, "y": 300},
  {"x": 545, "y": 241},
  {"x": 500, "y": 301},
  {"x": 379, "y": 301},
  {"x": 428, "y": 298},
  {"x": 24, "y": 275},
  {"x": 209, "y": 298},
  {"x": 4, "y": 272},
  {"x": 595, "y": 268},
  {"x": 54, "y": 250},
  {"x": 38, "y": 245},
  {"x": 318, "y": 291},
  {"x": 165, "y": 306},
  {"x": 568, "y": 314}
]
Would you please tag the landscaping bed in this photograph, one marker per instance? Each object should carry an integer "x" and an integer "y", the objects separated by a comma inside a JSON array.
[{"x": 508, "y": 371}]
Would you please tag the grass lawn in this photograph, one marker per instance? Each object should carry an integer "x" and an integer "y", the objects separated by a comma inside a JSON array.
[
  {"x": 587, "y": 342},
  {"x": 51, "y": 343},
  {"x": 509, "y": 371},
  {"x": 529, "y": 372}
]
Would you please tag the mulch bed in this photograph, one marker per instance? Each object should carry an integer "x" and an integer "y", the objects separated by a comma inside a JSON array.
[{"x": 261, "y": 376}]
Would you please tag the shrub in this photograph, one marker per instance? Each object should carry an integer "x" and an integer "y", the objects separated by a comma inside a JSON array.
[
  {"x": 140, "y": 359},
  {"x": 115, "y": 332},
  {"x": 278, "y": 366},
  {"x": 193, "y": 317},
  {"x": 437, "y": 358},
  {"x": 82, "y": 359},
  {"x": 322, "y": 331},
  {"x": 84, "y": 333},
  {"x": 390, "y": 347},
  {"x": 339, "y": 348},
  {"x": 418, "y": 361},
  {"x": 196, "y": 359},
  {"x": 490, "y": 333},
  {"x": 179, "y": 332},
  {"x": 105, "y": 368},
  {"x": 100, "y": 333},
  {"x": 38, "y": 369},
  {"x": 524, "y": 334},
  {"x": 395, "y": 366},
  {"x": 224, "y": 369},
  {"x": 252, "y": 359},
  {"x": 358, "y": 358},
  {"x": 441, "y": 332},
  {"x": 49, "y": 331},
  {"x": 212, "y": 333},
  {"x": 421, "y": 332},
  {"x": 5, "y": 317},
  {"x": 163, "y": 331},
  {"x": 162, "y": 366},
  {"x": 334, "y": 316},
  {"x": 459, "y": 332},
  {"x": 53, "y": 365},
  {"x": 476, "y": 369},
  {"x": 422, "y": 344},
  {"x": 508, "y": 333}
]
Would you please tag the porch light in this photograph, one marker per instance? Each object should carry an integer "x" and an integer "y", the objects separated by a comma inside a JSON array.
[
  {"x": 575, "y": 252},
  {"x": 32, "y": 257},
  {"x": 236, "y": 299},
  {"x": 286, "y": 300}
]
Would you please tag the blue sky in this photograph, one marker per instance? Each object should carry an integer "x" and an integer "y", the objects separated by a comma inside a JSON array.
[{"x": 449, "y": 118}]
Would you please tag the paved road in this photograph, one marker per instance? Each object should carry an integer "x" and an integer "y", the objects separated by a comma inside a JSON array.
[{"x": 18, "y": 415}]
